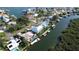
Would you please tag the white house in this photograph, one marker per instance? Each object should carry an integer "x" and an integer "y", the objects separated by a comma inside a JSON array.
[
  {"x": 13, "y": 43},
  {"x": 6, "y": 18}
]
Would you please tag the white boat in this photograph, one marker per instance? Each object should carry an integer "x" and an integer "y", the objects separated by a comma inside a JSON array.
[
  {"x": 60, "y": 17},
  {"x": 53, "y": 26},
  {"x": 48, "y": 30},
  {"x": 45, "y": 34},
  {"x": 58, "y": 20}
]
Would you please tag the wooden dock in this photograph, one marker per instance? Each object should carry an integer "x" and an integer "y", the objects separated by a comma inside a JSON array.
[{"x": 46, "y": 32}]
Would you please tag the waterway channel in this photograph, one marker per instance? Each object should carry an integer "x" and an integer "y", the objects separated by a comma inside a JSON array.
[{"x": 51, "y": 39}]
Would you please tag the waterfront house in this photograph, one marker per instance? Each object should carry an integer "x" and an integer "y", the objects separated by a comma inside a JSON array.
[
  {"x": 29, "y": 11},
  {"x": 13, "y": 43},
  {"x": 29, "y": 36},
  {"x": 37, "y": 29},
  {"x": 5, "y": 19},
  {"x": 41, "y": 26},
  {"x": 4, "y": 16},
  {"x": 29, "y": 16},
  {"x": 45, "y": 23}
]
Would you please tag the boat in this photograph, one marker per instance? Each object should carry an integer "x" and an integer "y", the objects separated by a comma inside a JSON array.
[
  {"x": 45, "y": 34},
  {"x": 58, "y": 20},
  {"x": 48, "y": 30},
  {"x": 53, "y": 26}
]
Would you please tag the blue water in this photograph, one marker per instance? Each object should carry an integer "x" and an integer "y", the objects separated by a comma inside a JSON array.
[{"x": 17, "y": 11}]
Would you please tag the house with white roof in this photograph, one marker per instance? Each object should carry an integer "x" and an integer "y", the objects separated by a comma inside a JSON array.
[
  {"x": 4, "y": 16},
  {"x": 6, "y": 19},
  {"x": 13, "y": 44}
]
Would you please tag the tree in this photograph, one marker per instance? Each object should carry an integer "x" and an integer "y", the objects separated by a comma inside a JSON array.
[
  {"x": 40, "y": 13},
  {"x": 10, "y": 28},
  {"x": 69, "y": 39},
  {"x": 60, "y": 15},
  {"x": 3, "y": 40},
  {"x": 23, "y": 21},
  {"x": 64, "y": 13},
  {"x": 55, "y": 17}
]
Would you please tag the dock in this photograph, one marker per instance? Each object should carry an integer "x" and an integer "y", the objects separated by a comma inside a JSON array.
[
  {"x": 36, "y": 40},
  {"x": 45, "y": 33}
]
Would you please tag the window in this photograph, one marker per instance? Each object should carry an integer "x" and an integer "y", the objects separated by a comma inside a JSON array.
[
  {"x": 10, "y": 46},
  {"x": 18, "y": 41}
]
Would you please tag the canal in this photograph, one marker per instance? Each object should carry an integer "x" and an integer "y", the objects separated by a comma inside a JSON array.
[{"x": 51, "y": 39}]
